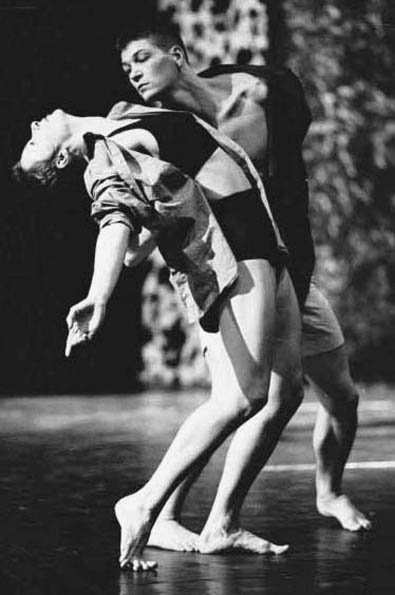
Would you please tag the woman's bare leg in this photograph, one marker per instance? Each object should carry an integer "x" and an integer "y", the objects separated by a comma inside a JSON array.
[
  {"x": 243, "y": 348},
  {"x": 255, "y": 440},
  {"x": 251, "y": 448},
  {"x": 168, "y": 532}
]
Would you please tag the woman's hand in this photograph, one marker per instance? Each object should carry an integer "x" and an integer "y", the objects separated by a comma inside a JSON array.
[{"x": 84, "y": 320}]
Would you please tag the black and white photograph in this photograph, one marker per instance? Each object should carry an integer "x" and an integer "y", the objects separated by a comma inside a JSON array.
[{"x": 197, "y": 297}]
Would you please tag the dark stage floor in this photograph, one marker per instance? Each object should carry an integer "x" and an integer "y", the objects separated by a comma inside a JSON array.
[{"x": 66, "y": 460}]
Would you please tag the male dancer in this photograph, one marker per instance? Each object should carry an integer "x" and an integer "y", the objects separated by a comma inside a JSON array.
[
  {"x": 228, "y": 269},
  {"x": 264, "y": 110}
]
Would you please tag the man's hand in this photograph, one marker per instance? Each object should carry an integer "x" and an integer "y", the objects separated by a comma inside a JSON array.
[{"x": 83, "y": 320}]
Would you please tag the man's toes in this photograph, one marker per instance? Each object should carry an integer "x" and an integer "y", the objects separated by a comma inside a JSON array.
[
  {"x": 278, "y": 549},
  {"x": 358, "y": 524},
  {"x": 366, "y": 524}
]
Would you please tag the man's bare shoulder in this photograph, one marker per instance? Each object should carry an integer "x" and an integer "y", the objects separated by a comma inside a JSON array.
[
  {"x": 241, "y": 84},
  {"x": 253, "y": 87}
]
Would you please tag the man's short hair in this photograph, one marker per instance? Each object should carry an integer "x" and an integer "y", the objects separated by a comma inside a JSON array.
[{"x": 163, "y": 35}]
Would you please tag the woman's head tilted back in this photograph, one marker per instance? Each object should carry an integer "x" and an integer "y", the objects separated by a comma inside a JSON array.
[{"x": 47, "y": 155}]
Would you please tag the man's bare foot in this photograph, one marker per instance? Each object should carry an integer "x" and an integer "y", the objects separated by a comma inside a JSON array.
[
  {"x": 342, "y": 509},
  {"x": 136, "y": 525},
  {"x": 168, "y": 534},
  {"x": 212, "y": 542}
]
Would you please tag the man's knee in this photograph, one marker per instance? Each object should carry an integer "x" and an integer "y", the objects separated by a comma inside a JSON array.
[
  {"x": 330, "y": 372},
  {"x": 349, "y": 401},
  {"x": 341, "y": 398},
  {"x": 342, "y": 390},
  {"x": 352, "y": 397}
]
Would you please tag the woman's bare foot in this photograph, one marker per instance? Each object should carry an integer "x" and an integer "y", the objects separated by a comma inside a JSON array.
[
  {"x": 136, "y": 524},
  {"x": 342, "y": 509},
  {"x": 168, "y": 534},
  {"x": 212, "y": 542}
]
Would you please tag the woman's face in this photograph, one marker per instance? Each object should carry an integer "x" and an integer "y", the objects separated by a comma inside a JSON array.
[{"x": 47, "y": 136}]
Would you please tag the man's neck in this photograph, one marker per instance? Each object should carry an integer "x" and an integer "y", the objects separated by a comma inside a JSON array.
[{"x": 193, "y": 94}]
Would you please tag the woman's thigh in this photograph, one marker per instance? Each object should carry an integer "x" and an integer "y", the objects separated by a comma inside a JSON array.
[{"x": 239, "y": 355}]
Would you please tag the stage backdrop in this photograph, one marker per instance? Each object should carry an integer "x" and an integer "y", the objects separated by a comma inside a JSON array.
[
  {"x": 58, "y": 55},
  {"x": 344, "y": 54},
  {"x": 63, "y": 56}
]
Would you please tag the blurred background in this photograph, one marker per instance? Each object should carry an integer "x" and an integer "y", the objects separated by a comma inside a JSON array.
[{"x": 63, "y": 56}]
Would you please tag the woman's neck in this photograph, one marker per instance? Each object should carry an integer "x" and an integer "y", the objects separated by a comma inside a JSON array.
[
  {"x": 82, "y": 125},
  {"x": 96, "y": 125}
]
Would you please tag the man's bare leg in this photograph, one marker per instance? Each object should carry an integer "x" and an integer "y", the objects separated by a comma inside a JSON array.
[
  {"x": 244, "y": 350},
  {"x": 334, "y": 434},
  {"x": 255, "y": 440}
]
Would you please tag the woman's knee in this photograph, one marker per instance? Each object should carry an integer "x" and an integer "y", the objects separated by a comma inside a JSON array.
[
  {"x": 283, "y": 397},
  {"x": 255, "y": 398},
  {"x": 247, "y": 403},
  {"x": 296, "y": 392},
  {"x": 286, "y": 396},
  {"x": 233, "y": 405}
]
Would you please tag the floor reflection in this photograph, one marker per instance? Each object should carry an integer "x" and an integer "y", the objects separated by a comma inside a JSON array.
[{"x": 67, "y": 460}]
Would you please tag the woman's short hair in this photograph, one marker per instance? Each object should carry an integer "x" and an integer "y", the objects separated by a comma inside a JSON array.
[{"x": 45, "y": 175}]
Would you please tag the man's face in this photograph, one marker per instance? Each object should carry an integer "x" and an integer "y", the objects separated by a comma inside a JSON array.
[
  {"x": 47, "y": 136},
  {"x": 151, "y": 70}
]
